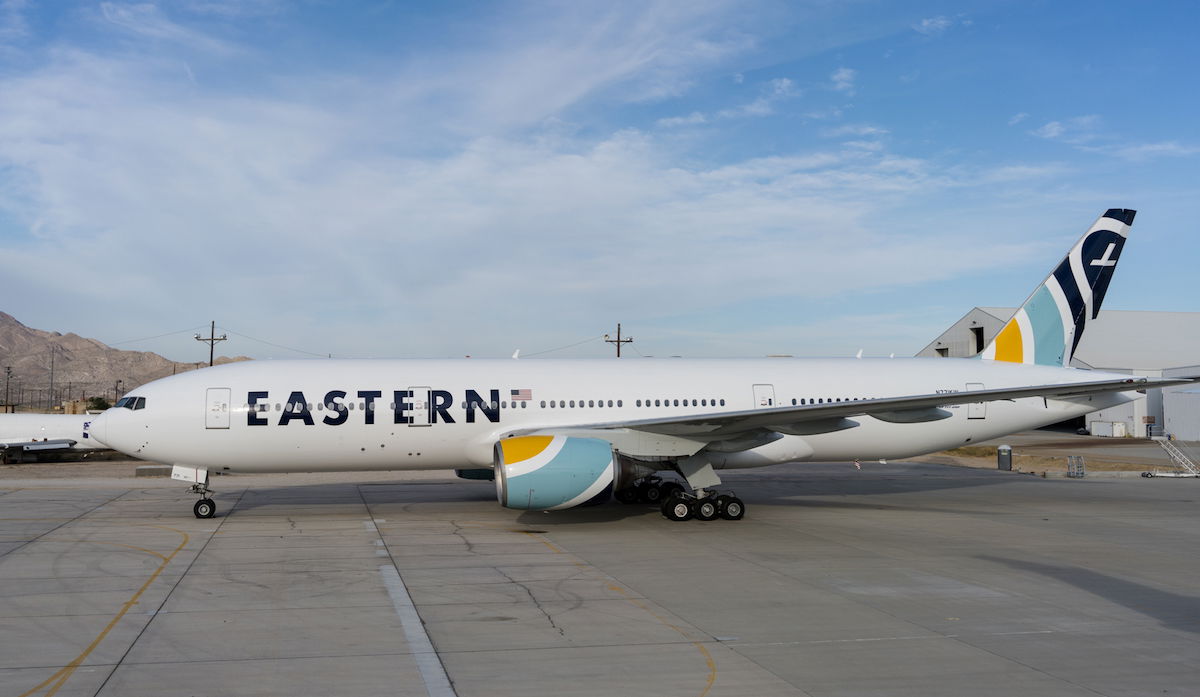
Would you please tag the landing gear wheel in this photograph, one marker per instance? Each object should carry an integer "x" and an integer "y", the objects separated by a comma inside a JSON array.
[
  {"x": 707, "y": 509},
  {"x": 205, "y": 508},
  {"x": 678, "y": 509},
  {"x": 730, "y": 507},
  {"x": 652, "y": 493},
  {"x": 629, "y": 495},
  {"x": 670, "y": 489}
]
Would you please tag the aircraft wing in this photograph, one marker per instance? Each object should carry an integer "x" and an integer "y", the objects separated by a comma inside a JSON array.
[{"x": 823, "y": 418}]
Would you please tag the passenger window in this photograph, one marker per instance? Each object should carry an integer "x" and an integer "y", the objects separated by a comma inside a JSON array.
[
  {"x": 657, "y": 403},
  {"x": 590, "y": 403},
  {"x": 722, "y": 402},
  {"x": 543, "y": 404},
  {"x": 618, "y": 402}
]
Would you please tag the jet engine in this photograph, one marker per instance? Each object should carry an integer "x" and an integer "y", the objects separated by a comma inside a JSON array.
[{"x": 555, "y": 472}]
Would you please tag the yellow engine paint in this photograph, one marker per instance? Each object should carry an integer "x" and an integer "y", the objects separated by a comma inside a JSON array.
[{"x": 523, "y": 448}]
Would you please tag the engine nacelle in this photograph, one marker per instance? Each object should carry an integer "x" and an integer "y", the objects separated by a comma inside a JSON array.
[{"x": 554, "y": 472}]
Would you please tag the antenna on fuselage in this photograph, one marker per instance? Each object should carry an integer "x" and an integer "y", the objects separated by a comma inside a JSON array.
[{"x": 516, "y": 354}]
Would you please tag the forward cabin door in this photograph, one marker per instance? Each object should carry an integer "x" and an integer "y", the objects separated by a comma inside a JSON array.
[
  {"x": 764, "y": 396},
  {"x": 420, "y": 406},
  {"x": 216, "y": 409},
  {"x": 976, "y": 410}
]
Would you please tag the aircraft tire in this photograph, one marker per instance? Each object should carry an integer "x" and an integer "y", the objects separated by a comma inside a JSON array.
[
  {"x": 678, "y": 509},
  {"x": 205, "y": 508},
  {"x": 652, "y": 493},
  {"x": 628, "y": 495},
  {"x": 707, "y": 509},
  {"x": 731, "y": 507},
  {"x": 670, "y": 489}
]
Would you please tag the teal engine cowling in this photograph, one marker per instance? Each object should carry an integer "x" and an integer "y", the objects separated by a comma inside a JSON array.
[{"x": 554, "y": 472}]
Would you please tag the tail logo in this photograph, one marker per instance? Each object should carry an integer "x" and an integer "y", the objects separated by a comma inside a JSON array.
[{"x": 1046, "y": 330}]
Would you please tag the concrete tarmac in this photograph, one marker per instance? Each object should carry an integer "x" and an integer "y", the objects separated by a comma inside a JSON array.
[{"x": 905, "y": 579}]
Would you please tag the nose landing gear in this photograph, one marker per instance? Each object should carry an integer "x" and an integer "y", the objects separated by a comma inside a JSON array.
[{"x": 205, "y": 508}]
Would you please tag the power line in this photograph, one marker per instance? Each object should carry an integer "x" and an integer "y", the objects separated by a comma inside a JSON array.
[
  {"x": 563, "y": 348},
  {"x": 268, "y": 343}
]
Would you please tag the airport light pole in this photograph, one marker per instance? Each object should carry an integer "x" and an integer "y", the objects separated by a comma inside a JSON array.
[{"x": 211, "y": 341}]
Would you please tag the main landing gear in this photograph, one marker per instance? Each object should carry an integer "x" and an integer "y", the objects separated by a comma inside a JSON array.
[
  {"x": 676, "y": 503},
  {"x": 703, "y": 506}
]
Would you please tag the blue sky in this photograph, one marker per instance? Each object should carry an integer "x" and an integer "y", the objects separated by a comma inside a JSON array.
[{"x": 447, "y": 179}]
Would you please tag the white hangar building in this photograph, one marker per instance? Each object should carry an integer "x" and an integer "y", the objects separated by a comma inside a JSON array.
[{"x": 1155, "y": 344}]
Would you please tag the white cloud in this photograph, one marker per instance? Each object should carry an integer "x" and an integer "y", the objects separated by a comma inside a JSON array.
[
  {"x": 843, "y": 80},
  {"x": 1017, "y": 118},
  {"x": 854, "y": 129},
  {"x": 149, "y": 21},
  {"x": 932, "y": 26},
  {"x": 1074, "y": 131},
  {"x": 13, "y": 25},
  {"x": 693, "y": 119},
  {"x": 365, "y": 216},
  {"x": 1146, "y": 151}
]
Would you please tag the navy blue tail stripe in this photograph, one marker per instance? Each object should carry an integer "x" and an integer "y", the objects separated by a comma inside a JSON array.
[{"x": 1123, "y": 214}]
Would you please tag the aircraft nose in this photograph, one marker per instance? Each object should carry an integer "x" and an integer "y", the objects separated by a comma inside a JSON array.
[{"x": 96, "y": 428}]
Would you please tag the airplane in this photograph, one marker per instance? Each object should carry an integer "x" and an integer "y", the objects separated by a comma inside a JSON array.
[
  {"x": 26, "y": 433},
  {"x": 554, "y": 434}
]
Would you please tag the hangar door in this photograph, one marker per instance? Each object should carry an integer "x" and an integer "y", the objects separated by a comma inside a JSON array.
[{"x": 216, "y": 408}]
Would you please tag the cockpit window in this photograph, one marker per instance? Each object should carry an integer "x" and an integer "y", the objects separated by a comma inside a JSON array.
[{"x": 131, "y": 403}]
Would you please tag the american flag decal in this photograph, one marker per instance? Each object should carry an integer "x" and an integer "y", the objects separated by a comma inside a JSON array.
[{"x": 522, "y": 395}]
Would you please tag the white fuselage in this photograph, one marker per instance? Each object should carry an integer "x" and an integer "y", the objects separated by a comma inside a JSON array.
[{"x": 432, "y": 414}]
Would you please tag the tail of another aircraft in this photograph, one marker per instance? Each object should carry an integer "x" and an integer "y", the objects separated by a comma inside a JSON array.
[{"x": 1048, "y": 327}]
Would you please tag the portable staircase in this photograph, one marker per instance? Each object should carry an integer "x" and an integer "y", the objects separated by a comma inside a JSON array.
[{"x": 1182, "y": 461}]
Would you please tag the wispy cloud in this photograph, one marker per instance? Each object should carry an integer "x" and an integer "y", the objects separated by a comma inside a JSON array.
[
  {"x": 854, "y": 129},
  {"x": 1074, "y": 131},
  {"x": 13, "y": 25},
  {"x": 843, "y": 79},
  {"x": 1147, "y": 151},
  {"x": 936, "y": 26},
  {"x": 1017, "y": 118},
  {"x": 932, "y": 26},
  {"x": 772, "y": 92},
  {"x": 693, "y": 119},
  {"x": 149, "y": 21}
]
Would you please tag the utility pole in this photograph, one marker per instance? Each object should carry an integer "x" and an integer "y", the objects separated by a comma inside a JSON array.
[
  {"x": 7, "y": 379},
  {"x": 117, "y": 390},
  {"x": 618, "y": 341},
  {"x": 50, "y": 397},
  {"x": 211, "y": 341}
]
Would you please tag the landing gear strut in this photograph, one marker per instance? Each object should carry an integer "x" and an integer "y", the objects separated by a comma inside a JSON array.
[{"x": 651, "y": 489}]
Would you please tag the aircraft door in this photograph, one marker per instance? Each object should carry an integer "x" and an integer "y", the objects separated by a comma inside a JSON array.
[
  {"x": 420, "y": 406},
  {"x": 216, "y": 407},
  {"x": 764, "y": 396},
  {"x": 976, "y": 410}
]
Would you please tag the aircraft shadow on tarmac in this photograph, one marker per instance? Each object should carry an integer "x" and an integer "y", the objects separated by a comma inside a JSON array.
[
  {"x": 1174, "y": 611},
  {"x": 799, "y": 486}
]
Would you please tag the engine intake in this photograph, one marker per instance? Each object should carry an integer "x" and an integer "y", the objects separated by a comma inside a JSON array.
[{"x": 554, "y": 472}]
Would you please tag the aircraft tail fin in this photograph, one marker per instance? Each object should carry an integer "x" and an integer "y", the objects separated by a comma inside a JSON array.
[{"x": 1047, "y": 328}]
